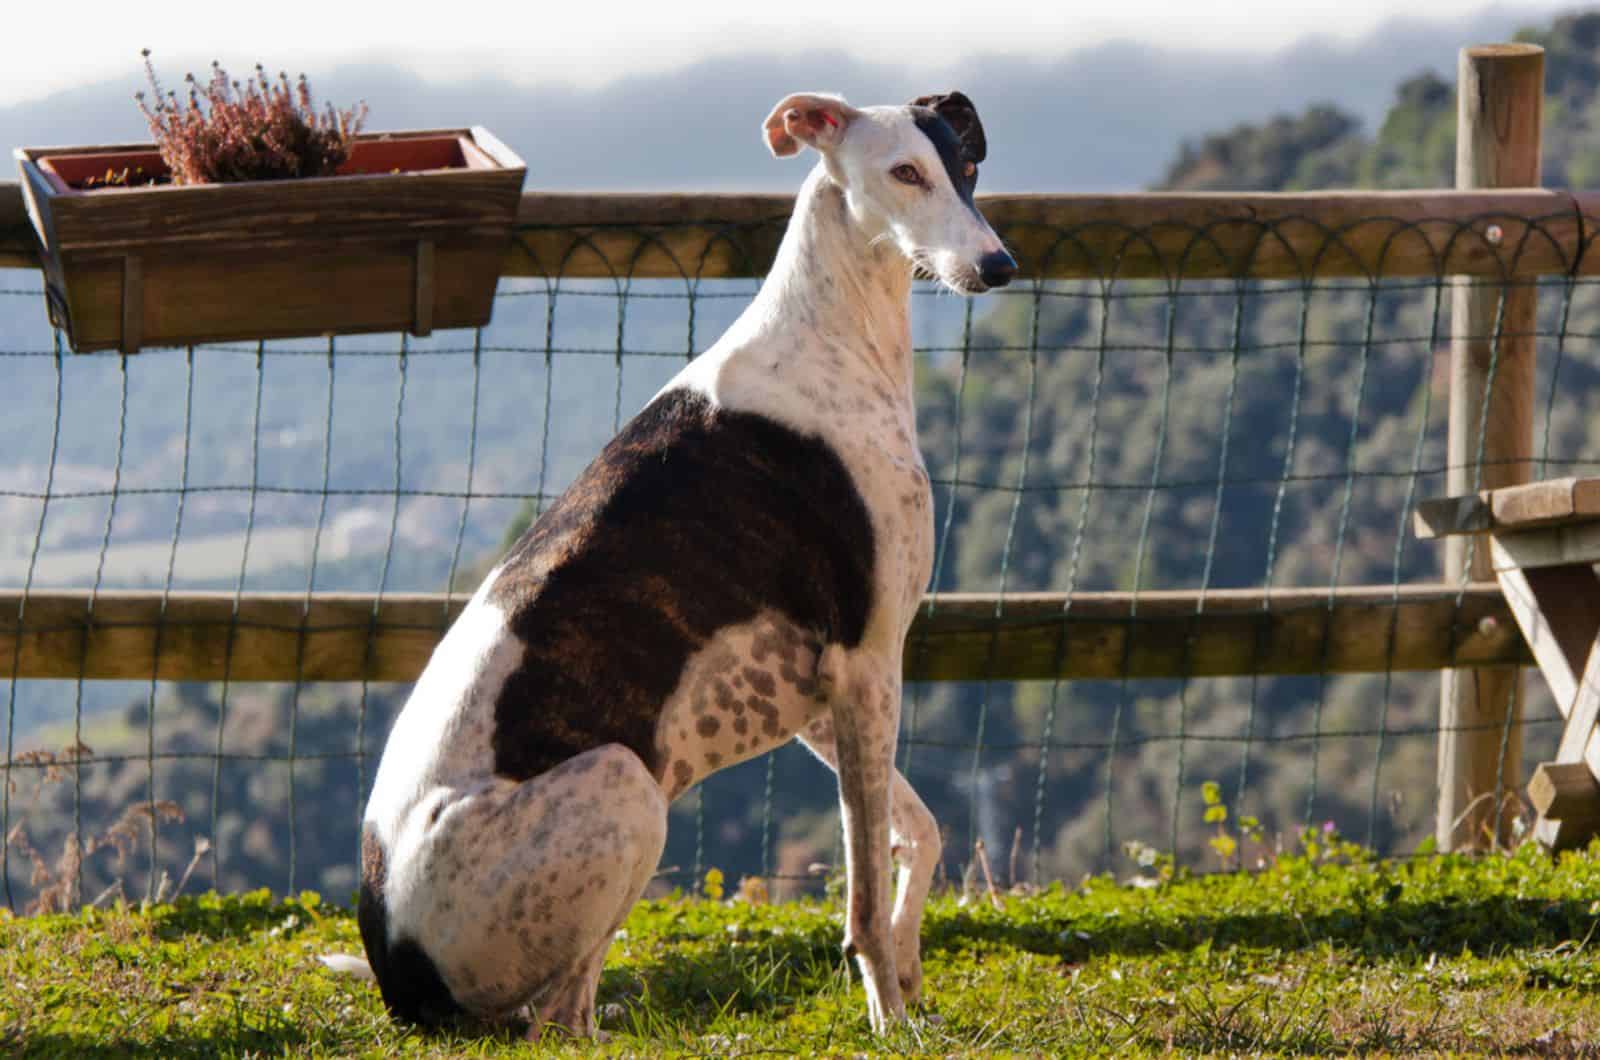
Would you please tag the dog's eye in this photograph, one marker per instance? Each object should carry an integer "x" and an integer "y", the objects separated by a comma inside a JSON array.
[{"x": 906, "y": 173}]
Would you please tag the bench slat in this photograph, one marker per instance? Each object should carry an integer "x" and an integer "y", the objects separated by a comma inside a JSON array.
[{"x": 1534, "y": 504}]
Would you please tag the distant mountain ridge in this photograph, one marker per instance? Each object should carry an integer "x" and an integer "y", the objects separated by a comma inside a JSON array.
[{"x": 1102, "y": 118}]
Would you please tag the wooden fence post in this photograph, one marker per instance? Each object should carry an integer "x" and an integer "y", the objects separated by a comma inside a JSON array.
[{"x": 1500, "y": 93}]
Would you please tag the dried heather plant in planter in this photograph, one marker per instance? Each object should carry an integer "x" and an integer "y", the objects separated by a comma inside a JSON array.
[{"x": 260, "y": 130}]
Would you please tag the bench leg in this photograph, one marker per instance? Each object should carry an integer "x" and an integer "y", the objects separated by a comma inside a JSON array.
[{"x": 1558, "y": 610}]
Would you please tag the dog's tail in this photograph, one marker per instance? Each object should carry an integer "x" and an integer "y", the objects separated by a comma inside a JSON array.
[{"x": 344, "y": 964}]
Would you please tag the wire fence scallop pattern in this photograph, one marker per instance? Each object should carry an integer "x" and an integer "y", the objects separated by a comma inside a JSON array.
[{"x": 1082, "y": 435}]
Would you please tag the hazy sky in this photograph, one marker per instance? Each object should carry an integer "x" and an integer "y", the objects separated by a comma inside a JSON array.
[{"x": 46, "y": 47}]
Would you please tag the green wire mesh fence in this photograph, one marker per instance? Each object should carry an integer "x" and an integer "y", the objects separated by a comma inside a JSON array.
[{"x": 1110, "y": 435}]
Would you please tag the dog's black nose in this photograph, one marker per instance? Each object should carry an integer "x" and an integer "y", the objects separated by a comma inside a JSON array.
[{"x": 996, "y": 270}]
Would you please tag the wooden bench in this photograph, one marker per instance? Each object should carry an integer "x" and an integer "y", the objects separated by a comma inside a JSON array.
[{"x": 1544, "y": 540}]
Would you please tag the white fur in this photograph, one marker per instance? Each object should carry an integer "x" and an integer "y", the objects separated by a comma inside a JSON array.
[{"x": 429, "y": 746}]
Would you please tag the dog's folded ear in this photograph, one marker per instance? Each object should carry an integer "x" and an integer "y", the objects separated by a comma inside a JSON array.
[
  {"x": 813, "y": 119},
  {"x": 957, "y": 109}
]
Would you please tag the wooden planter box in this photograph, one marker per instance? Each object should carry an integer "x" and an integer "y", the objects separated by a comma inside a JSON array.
[{"x": 410, "y": 235}]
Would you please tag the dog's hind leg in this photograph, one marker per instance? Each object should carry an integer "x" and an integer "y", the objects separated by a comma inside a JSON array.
[
  {"x": 916, "y": 847},
  {"x": 570, "y": 1005},
  {"x": 516, "y": 889}
]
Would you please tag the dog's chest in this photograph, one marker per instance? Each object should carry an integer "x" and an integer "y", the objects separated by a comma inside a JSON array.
[
  {"x": 870, "y": 424},
  {"x": 885, "y": 462}
]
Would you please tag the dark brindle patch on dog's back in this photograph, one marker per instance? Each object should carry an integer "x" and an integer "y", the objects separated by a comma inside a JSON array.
[{"x": 693, "y": 519}]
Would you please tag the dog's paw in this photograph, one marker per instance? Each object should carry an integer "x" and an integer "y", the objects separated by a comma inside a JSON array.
[
  {"x": 908, "y": 969},
  {"x": 911, "y": 985}
]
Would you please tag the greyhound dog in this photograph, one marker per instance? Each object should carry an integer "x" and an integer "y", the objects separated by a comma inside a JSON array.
[{"x": 736, "y": 569}]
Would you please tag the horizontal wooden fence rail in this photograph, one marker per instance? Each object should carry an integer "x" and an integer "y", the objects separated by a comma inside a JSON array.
[
  {"x": 1496, "y": 235},
  {"x": 193, "y": 636}
]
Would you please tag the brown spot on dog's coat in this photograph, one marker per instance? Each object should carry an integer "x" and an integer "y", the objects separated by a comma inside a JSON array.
[
  {"x": 761, "y": 681},
  {"x": 769, "y": 714},
  {"x": 374, "y": 866},
  {"x": 707, "y": 726},
  {"x": 762, "y": 646},
  {"x": 805, "y": 684}
]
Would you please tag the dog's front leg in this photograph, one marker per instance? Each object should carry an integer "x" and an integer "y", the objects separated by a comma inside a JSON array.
[
  {"x": 916, "y": 847},
  {"x": 865, "y": 705}
]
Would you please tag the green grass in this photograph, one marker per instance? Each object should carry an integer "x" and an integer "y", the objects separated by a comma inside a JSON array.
[{"x": 1312, "y": 955}]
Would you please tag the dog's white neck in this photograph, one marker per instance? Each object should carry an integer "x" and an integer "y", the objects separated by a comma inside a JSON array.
[{"x": 851, "y": 292}]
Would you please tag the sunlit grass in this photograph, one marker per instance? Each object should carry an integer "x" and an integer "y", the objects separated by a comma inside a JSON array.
[{"x": 1322, "y": 954}]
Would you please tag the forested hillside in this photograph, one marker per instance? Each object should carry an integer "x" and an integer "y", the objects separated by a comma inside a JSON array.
[
  {"x": 1326, "y": 147},
  {"x": 1237, "y": 436}
]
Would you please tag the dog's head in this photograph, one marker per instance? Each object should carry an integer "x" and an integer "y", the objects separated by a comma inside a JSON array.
[{"x": 908, "y": 174}]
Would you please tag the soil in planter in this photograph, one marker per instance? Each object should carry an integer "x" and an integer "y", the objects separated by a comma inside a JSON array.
[
  {"x": 106, "y": 169},
  {"x": 126, "y": 177}
]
